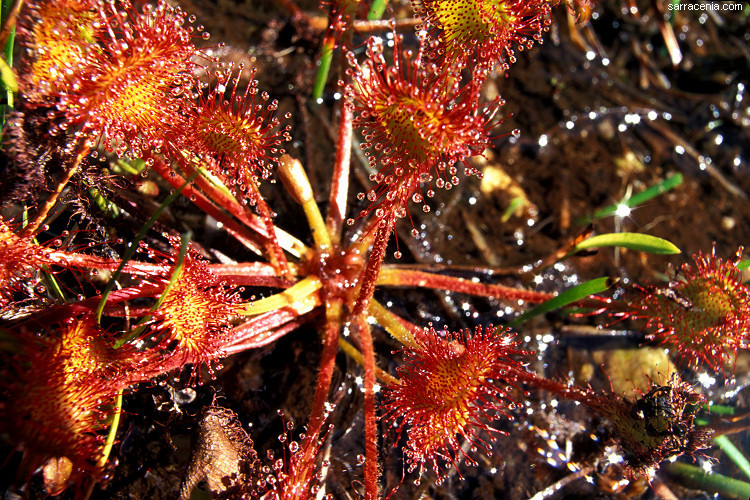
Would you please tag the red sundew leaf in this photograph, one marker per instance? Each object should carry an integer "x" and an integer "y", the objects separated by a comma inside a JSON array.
[
  {"x": 482, "y": 33},
  {"x": 192, "y": 321},
  {"x": 703, "y": 315},
  {"x": 58, "y": 408},
  {"x": 20, "y": 259},
  {"x": 417, "y": 122},
  {"x": 131, "y": 80},
  {"x": 56, "y": 36},
  {"x": 236, "y": 131},
  {"x": 450, "y": 385}
]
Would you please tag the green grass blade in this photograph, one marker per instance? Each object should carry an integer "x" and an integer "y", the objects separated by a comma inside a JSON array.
[
  {"x": 9, "y": 83},
  {"x": 696, "y": 477},
  {"x": 662, "y": 187},
  {"x": 53, "y": 284},
  {"x": 8, "y": 78},
  {"x": 134, "y": 245},
  {"x": 321, "y": 77},
  {"x": 634, "y": 241},
  {"x": 377, "y": 9},
  {"x": 110, "y": 442},
  {"x": 512, "y": 206},
  {"x": 567, "y": 297},
  {"x": 721, "y": 410},
  {"x": 733, "y": 453},
  {"x": 376, "y": 12}
]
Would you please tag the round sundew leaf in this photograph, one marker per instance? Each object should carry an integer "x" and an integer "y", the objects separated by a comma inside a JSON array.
[{"x": 701, "y": 315}]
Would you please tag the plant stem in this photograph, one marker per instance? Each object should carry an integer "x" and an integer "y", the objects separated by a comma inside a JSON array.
[
  {"x": 8, "y": 18},
  {"x": 713, "y": 483},
  {"x": 298, "y": 297},
  {"x": 327, "y": 362},
  {"x": 273, "y": 250},
  {"x": 255, "y": 269},
  {"x": 571, "y": 392},
  {"x": 366, "y": 26},
  {"x": 108, "y": 444},
  {"x": 371, "y": 437},
  {"x": 204, "y": 203},
  {"x": 353, "y": 353},
  {"x": 262, "y": 330},
  {"x": 326, "y": 56},
  {"x": 329, "y": 44},
  {"x": 733, "y": 453},
  {"x": 295, "y": 180},
  {"x": 220, "y": 196},
  {"x": 391, "y": 323},
  {"x": 112, "y": 431},
  {"x": 377, "y": 9},
  {"x": 394, "y": 276},
  {"x": 374, "y": 263},
  {"x": 340, "y": 182}
]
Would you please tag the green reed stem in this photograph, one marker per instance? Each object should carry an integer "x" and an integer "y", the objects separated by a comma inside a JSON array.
[
  {"x": 136, "y": 332},
  {"x": 570, "y": 296},
  {"x": 134, "y": 244},
  {"x": 326, "y": 56},
  {"x": 377, "y": 9},
  {"x": 696, "y": 477},
  {"x": 6, "y": 73},
  {"x": 733, "y": 453}
]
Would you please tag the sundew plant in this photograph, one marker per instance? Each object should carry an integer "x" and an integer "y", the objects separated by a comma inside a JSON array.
[{"x": 444, "y": 249}]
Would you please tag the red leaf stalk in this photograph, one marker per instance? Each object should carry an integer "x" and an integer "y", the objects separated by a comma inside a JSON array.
[
  {"x": 340, "y": 180},
  {"x": 371, "y": 436},
  {"x": 396, "y": 276}
]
